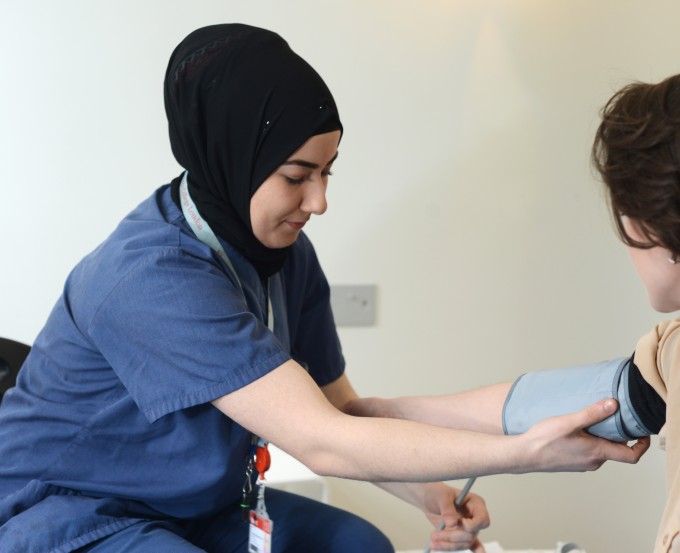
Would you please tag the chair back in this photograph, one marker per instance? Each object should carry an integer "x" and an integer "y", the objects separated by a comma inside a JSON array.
[{"x": 12, "y": 356}]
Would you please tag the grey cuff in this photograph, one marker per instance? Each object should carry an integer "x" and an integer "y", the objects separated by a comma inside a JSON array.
[{"x": 538, "y": 395}]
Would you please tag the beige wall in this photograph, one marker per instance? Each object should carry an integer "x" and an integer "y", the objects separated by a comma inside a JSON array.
[{"x": 463, "y": 191}]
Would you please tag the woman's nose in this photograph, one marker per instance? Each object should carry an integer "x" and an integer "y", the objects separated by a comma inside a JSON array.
[{"x": 314, "y": 200}]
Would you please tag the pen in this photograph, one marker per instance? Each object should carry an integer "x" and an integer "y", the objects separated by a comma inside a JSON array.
[
  {"x": 457, "y": 503},
  {"x": 463, "y": 493}
]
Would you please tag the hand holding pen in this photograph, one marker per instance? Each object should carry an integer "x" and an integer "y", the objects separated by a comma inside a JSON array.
[{"x": 458, "y": 503}]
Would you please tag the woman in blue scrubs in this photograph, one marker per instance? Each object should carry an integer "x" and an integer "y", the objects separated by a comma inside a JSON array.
[{"x": 203, "y": 323}]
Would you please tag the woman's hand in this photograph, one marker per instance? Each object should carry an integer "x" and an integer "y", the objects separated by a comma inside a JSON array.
[
  {"x": 562, "y": 444},
  {"x": 461, "y": 526}
]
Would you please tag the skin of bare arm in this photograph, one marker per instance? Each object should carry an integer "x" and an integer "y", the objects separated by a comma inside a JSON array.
[
  {"x": 287, "y": 408},
  {"x": 479, "y": 410}
]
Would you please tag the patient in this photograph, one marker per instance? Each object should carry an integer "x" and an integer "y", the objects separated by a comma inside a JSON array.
[{"x": 637, "y": 153}]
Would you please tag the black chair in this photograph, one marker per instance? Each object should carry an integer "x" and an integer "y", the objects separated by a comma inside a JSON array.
[{"x": 12, "y": 356}]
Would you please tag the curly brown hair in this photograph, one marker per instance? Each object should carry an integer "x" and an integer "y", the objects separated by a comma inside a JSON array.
[{"x": 637, "y": 152}]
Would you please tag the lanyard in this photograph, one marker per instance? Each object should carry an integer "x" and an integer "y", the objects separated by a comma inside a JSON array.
[
  {"x": 258, "y": 454},
  {"x": 205, "y": 234}
]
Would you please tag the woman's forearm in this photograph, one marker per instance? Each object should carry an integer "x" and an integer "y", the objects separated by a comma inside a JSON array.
[
  {"x": 479, "y": 410},
  {"x": 287, "y": 408},
  {"x": 386, "y": 449}
]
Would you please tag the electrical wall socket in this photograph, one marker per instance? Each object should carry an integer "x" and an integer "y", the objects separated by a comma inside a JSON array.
[{"x": 354, "y": 305}]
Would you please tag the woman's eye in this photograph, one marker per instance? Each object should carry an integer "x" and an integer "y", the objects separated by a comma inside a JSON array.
[{"x": 301, "y": 179}]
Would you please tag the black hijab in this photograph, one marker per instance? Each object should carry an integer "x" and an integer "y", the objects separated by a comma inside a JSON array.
[{"x": 239, "y": 102}]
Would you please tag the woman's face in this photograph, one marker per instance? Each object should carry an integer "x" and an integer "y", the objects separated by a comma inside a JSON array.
[
  {"x": 286, "y": 200},
  {"x": 660, "y": 277}
]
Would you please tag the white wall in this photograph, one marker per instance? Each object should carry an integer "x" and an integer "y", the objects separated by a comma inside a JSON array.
[{"x": 463, "y": 190}]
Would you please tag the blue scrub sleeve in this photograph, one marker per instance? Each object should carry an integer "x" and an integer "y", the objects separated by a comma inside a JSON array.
[
  {"x": 178, "y": 333},
  {"x": 316, "y": 344}
]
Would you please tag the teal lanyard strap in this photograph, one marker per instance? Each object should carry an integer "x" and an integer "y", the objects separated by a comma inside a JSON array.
[{"x": 205, "y": 234}]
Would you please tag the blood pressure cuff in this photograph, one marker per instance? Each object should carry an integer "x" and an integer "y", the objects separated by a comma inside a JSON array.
[{"x": 538, "y": 395}]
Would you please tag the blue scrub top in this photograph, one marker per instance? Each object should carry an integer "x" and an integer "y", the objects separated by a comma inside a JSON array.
[{"x": 114, "y": 398}]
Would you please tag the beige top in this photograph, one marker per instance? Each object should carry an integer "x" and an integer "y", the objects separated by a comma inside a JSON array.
[{"x": 658, "y": 357}]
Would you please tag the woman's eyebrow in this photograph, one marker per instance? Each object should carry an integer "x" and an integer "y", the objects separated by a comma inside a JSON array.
[{"x": 309, "y": 164}]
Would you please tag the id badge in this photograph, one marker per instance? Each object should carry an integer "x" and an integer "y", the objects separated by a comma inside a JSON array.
[{"x": 260, "y": 537}]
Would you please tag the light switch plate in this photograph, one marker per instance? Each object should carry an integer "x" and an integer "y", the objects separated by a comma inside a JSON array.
[{"x": 354, "y": 305}]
